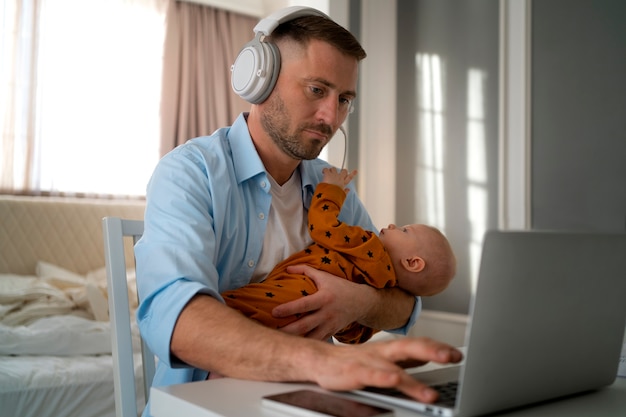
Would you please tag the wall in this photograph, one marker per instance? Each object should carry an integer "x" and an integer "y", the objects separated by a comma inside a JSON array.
[
  {"x": 577, "y": 121},
  {"x": 376, "y": 107},
  {"x": 447, "y": 129},
  {"x": 579, "y": 115}
]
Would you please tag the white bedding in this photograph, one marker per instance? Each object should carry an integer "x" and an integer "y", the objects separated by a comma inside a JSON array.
[
  {"x": 56, "y": 312},
  {"x": 49, "y": 386},
  {"x": 56, "y": 336},
  {"x": 56, "y": 291},
  {"x": 55, "y": 345}
]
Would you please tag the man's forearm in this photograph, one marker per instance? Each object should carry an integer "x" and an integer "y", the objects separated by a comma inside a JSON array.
[
  {"x": 211, "y": 336},
  {"x": 391, "y": 309}
]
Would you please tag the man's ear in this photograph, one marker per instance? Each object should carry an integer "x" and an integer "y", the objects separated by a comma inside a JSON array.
[{"x": 414, "y": 264}]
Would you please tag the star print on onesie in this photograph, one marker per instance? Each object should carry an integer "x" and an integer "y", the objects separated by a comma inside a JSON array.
[{"x": 350, "y": 252}]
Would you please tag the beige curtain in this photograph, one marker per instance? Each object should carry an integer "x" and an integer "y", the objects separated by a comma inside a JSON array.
[
  {"x": 18, "y": 98},
  {"x": 201, "y": 43}
]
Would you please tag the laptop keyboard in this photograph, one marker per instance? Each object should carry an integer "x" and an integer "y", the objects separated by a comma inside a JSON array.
[{"x": 447, "y": 393}]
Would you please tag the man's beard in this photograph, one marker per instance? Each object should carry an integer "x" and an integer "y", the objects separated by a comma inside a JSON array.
[{"x": 275, "y": 121}]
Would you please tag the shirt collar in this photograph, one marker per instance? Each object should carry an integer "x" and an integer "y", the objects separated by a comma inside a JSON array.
[
  {"x": 245, "y": 157},
  {"x": 307, "y": 174}
]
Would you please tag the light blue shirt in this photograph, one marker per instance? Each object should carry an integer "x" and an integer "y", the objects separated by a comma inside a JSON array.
[{"x": 207, "y": 207}]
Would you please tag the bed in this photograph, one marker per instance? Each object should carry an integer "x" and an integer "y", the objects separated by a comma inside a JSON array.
[{"x": 55, "y": 345}]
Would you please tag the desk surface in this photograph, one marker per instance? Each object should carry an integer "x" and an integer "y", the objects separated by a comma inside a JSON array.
[{"x": 237, "y": 398}]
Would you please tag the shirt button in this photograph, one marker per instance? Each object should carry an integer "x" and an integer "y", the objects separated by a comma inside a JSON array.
[
  {"x": 261, "y": 216},
  {"x": 263, "y": 184},
  {"x": 250, "y": 263}
]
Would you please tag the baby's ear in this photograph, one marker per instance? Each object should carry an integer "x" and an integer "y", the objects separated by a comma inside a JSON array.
[{"x": 414, "y": 264}]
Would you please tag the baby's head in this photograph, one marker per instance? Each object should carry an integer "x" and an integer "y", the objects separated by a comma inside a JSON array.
[{"x": 422, "y": 258}]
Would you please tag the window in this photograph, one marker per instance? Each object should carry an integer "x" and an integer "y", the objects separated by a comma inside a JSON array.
[{"x": 80, "y": 88}]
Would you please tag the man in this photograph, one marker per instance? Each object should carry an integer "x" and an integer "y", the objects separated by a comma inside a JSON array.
[{"x": 223, "y": 210}]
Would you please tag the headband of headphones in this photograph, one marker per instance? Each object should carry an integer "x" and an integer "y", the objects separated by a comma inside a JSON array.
[{"x": 254, "y": 73}]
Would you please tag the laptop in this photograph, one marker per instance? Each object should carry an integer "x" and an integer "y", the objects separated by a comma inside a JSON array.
[{"x": 547, "y": 321}]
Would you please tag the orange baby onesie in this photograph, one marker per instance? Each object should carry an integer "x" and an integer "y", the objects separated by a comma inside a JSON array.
[{"x": 343, "y": 250}]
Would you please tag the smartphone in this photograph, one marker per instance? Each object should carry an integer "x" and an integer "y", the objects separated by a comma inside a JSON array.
[{"x": 314, "y": 403}]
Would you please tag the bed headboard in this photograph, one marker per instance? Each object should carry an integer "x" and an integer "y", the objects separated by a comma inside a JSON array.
[{"x": 64, "y": 231}]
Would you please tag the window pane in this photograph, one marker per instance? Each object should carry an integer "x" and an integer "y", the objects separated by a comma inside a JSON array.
[{"x": 99, "y": 86}]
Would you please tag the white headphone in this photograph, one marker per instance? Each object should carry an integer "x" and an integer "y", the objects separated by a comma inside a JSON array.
[{"x": 254, "y": 73}]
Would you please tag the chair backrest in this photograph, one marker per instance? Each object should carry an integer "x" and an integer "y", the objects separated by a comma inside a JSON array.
[{"x": 114, "y": 231}]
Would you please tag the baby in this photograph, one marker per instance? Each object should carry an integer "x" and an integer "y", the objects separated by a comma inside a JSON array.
[{"x": 416, "y": 258}]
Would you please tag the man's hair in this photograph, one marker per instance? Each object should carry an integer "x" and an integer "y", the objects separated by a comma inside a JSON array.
[{"x": 304, "y": 29}]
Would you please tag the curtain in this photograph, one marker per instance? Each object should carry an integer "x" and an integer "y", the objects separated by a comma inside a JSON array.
[
  {"x": 201, "y": 43},
  {"x": 19, "y": 43}
]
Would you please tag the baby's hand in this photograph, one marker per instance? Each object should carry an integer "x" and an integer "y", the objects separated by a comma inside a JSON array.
[{"x": 338, "y": 178}]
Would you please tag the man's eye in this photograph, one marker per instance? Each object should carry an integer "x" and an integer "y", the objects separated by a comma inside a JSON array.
[
  {"x": 345, "y": 101},
  {"x": 404, "y": 229},
  {"x": 316, "y": 90},
  {"x": 346, "y": 104}
]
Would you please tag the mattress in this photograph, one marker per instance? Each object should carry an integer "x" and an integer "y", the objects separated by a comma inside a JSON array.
[{"x": 60, "y": 386}]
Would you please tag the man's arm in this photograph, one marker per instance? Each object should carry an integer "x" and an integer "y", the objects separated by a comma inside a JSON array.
[
  {"x": 339, "y": 302},
  {"x": 390, "y": 309},
  {"x": 210, "y": 335}
]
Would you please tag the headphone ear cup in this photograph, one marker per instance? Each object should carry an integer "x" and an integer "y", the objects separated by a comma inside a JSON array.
[{"x": 254, "y": 73}]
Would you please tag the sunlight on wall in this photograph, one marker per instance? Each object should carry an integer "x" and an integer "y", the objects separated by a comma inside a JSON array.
[
  {"x": 477, "y": 206},
  {"x": 431, "y": 169},
  {"x": 429, "y": 173}
]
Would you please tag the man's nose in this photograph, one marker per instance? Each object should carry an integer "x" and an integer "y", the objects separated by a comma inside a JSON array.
[{"x": 328, "y": 111}]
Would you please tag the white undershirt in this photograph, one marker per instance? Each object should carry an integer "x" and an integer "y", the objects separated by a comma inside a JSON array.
[{"x": 286, "y": 231}]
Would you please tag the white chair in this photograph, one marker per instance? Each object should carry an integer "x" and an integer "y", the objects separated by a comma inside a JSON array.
[{"x": 114, "y": 231}]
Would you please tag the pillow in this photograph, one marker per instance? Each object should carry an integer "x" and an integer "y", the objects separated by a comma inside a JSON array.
[
  {"x": 98, "y": 278},
  {"x": 89, "y": 292},
  {"x": 57, "y": 276}
]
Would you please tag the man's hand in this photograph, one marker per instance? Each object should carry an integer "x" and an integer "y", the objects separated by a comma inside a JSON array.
[
  {"x": 337, "y": 303},
  {"x": 375, "y": 364}
]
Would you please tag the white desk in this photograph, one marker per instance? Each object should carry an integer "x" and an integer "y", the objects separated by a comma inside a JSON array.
[{"x": 237, "y": 398}]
